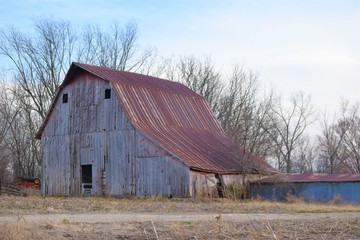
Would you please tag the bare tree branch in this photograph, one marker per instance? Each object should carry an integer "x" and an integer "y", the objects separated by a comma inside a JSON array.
[{"x": 289, "y": 124}]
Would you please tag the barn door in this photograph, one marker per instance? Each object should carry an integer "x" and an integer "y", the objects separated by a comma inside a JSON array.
[{"x": 86, "y": 176}]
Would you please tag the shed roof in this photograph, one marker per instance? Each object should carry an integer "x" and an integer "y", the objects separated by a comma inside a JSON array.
[
  {"x": 174, "y": 117},
  {"x": 311, "y": 177}
]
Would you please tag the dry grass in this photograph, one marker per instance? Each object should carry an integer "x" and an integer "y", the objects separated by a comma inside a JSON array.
[
  {"x": 319, "y": 229},
  {"x": 325, "y": 228},
  {"x": 10, "y": 205},
  {"x": 298, "y": 205}
]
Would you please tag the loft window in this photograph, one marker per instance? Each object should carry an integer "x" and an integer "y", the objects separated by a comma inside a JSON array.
[
  {"x": 65, "y": 98},
  {"x": 107, "y": 93}
]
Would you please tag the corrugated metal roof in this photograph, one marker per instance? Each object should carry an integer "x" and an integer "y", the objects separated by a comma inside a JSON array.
[
  {"x": 176, "y": 118},
  {"x": 312, "y": 177}
]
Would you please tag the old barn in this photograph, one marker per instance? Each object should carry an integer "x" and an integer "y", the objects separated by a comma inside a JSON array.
[{"x": 114, "y": 133}]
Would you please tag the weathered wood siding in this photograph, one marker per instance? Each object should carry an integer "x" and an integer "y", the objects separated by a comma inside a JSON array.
[
  {"x": 54, "y": 170},
  {"x": 233, "y": 179},
  {"x": 120, "y": 171},
  {"x": 238, "y": 179},
  {"x": 79, "y": 133},
  {"x": 203, "y": 185},
  {"x": 158, "y": 173},
  {"x": 92, "y": 130}
]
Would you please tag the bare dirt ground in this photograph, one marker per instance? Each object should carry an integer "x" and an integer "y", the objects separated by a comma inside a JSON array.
[{"x": 159, "y": 218}]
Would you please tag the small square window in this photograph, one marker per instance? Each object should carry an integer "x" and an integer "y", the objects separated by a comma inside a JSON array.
[
  {"x": 107, "y": 93},
  {"x": 65, "y": 98}
]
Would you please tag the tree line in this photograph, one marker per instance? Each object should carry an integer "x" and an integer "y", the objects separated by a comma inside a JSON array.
[{"x": 261, "y": 121}]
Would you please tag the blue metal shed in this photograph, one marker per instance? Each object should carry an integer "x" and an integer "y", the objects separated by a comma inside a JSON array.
[{"x": 309, "y": 187}]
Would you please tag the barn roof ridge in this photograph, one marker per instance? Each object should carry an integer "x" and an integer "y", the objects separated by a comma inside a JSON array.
[{"x": 147, "y": 78}]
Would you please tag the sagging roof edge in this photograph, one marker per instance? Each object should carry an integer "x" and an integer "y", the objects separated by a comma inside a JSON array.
[
  {"x": 235, "y": 172},
  {"x": 308, "y": 178}
]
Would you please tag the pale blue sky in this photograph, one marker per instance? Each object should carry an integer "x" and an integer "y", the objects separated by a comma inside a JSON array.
[{"x": 310, "y": 45}]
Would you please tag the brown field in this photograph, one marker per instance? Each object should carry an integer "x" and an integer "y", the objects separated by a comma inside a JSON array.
[{"x": 155, "y": 218}]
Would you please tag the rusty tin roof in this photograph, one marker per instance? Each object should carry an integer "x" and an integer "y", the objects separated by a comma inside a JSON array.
[
  {"x": 174, "y": 117},
  {"x": 312, "y": 177}
]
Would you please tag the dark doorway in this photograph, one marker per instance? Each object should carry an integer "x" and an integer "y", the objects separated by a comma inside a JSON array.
[
  {"x": 86, "y": 173},
  {"x": 86, "y": 178},
  {"x": 219, "y": 185}
]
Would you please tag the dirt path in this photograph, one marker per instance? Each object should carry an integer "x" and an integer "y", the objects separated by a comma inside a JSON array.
[{"x": 143, "y": 217}]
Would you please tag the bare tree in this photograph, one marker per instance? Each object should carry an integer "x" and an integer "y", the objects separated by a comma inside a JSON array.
[
  {"x": 244, "y": 114},
  {"x": 38, "y": 64},
  {"x": 8, "y": 115},
  {"x": 115, "y": 49},
  {"x": 288, "y": 126},
  {"x": 8, "y": 111},
  {"x": 350, "y": 147},
  {"x": 329, "y": 143},
  {"x": 339, "y": 142},
  {"x": 19, "y": 150},
  {"x": 305, "y": 156},
  {"x": 24, "y": 149},
  {"x": 40, "y": 61},
  {"x": 199, "y": 74}
]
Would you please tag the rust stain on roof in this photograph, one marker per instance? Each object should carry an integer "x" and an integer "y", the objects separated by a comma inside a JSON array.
[
  {"x": 176, "y": 118},
  {"x": 312, "y": 177}
]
